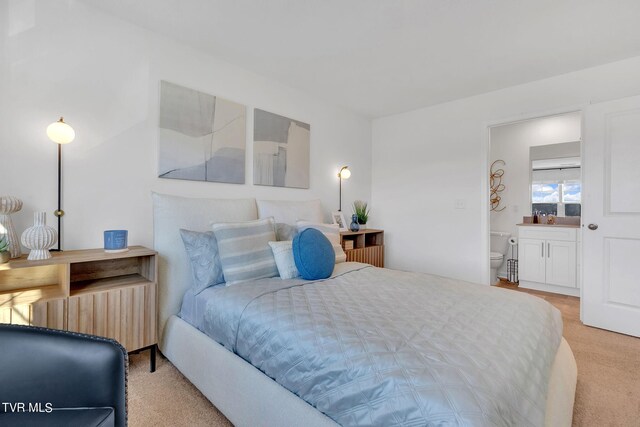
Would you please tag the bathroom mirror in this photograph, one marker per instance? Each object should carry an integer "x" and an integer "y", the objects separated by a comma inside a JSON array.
[{"x": 556, "y": 179}]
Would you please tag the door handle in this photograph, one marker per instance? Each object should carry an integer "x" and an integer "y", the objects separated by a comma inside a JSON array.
[
  {"x": 542, "y": 246},
  {"x": 592, "y": 226},
  {"x": 548, "y": 250}
]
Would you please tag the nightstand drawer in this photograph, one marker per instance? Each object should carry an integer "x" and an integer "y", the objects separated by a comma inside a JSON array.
[
  {"x": 373, "y": 255},
  {"x": 126, "y": 314}
]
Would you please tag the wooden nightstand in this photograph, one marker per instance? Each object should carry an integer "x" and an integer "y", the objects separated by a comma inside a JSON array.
[
  {"x": 365, "y": 246},
  {"x": 88, "y": 291}
]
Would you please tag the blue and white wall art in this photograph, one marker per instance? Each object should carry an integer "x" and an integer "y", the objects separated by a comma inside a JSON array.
[
  {"x": 202, "y": 137},
  {"x": 281, "y": 149}
]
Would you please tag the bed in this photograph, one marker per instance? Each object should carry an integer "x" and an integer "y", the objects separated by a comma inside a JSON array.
[{"x": 467, "y": 384}]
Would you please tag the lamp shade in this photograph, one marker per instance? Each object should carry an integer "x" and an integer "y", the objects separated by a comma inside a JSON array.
[
  {"x": 344, "y": 173},
  {"x": 60, "y": 132}
]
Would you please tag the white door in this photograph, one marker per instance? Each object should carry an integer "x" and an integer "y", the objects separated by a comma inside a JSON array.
[
  {"x": 611, "y": 216},
  {"x": 561, "y": 263},
  {"x": 531, "y": 260}
]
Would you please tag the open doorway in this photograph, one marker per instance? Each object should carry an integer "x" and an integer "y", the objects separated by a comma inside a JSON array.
[{"x": 536, "y": 202}]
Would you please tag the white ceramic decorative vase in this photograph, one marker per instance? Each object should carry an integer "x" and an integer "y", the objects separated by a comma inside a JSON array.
[
  {"x": 39, "y": 238},
  {"x": 9, "y": 205}
]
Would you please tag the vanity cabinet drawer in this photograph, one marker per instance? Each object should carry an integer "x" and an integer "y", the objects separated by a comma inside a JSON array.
[{"x": 566, "y": 234}]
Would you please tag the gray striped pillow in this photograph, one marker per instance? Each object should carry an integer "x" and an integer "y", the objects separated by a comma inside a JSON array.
[{"x": 244, "y": 250}]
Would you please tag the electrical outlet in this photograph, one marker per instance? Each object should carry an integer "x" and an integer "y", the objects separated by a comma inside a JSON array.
[{"x": 459, "y": 204}]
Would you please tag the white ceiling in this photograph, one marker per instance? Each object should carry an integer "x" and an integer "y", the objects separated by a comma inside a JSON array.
[{"x": 380, "y": 57}]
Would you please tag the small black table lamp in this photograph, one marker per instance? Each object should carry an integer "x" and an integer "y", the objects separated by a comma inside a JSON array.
[{"x": 60, "y": 133}]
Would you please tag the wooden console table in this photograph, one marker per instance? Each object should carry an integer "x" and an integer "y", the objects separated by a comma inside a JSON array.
[{"x": 87, "y": 291}]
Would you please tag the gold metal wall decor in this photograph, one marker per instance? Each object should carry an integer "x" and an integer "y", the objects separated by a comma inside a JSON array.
[{"x": 496, "y": 185}]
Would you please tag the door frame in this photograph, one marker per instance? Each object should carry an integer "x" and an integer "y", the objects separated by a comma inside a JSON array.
[{"x": 486, "y": 158}]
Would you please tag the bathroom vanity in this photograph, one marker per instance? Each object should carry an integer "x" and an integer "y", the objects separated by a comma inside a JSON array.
[{"x": 548, "y": 257}]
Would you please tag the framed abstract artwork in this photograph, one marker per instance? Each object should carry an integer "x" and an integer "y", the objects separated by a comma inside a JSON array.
[
  {"x": 281, "y": 149},
  {"x": 201, "y": 137}
]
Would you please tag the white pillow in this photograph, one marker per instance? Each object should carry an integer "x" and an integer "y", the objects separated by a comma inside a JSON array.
[
  {"x": 285, "y": 231},
  {"x": 288, "y": 212},
  {"x": 340, "y": 255},
  {"x": 283, "y": 253},
  {"x": 331, "y": 232}
]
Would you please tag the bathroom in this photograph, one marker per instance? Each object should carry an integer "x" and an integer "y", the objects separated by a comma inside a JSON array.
[{"x": 535, "y": 202}]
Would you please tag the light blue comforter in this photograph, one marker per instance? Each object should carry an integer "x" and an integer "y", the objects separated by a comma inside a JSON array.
[{"x": 380, "y": 347}]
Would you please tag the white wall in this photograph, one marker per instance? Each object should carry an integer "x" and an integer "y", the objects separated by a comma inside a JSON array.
[
  {"x": 64, "y": 58},
  {"x": 425, "y": 160},
  {"x": 511, "y": 143}
]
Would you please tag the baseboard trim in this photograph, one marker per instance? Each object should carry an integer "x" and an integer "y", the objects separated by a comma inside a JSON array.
[{"x": 574, "y": 292}]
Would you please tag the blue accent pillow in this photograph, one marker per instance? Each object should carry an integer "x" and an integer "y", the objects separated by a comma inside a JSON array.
[
  {"x": 313, "y": 254},
  {"x": 202, "y": 250}
]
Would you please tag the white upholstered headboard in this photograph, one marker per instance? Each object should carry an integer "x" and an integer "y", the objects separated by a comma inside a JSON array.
[{"x": 170, "y": 214}]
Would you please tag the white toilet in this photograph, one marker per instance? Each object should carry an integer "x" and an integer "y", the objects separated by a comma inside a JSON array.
[{"x": 499, "y": 246}]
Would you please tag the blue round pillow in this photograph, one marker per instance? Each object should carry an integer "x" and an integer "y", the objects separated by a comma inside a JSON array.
[{"x": 313, "y": 254}]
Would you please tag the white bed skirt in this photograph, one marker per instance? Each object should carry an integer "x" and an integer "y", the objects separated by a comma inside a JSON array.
[{"x": 247, "y": 397}]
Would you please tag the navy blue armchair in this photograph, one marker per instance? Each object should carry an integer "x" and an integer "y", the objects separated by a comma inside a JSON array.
[{"x": 57, "y": 378}]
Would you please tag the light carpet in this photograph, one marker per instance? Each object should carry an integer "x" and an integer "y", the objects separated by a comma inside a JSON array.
[
  {"x": 166, "y": 397},
  {"x": 608, "y": 391}
]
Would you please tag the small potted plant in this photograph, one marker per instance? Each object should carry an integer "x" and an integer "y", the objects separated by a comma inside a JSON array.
[
  {"x": 5, "y": 255},
  {"x": 361, "y": 210}
]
